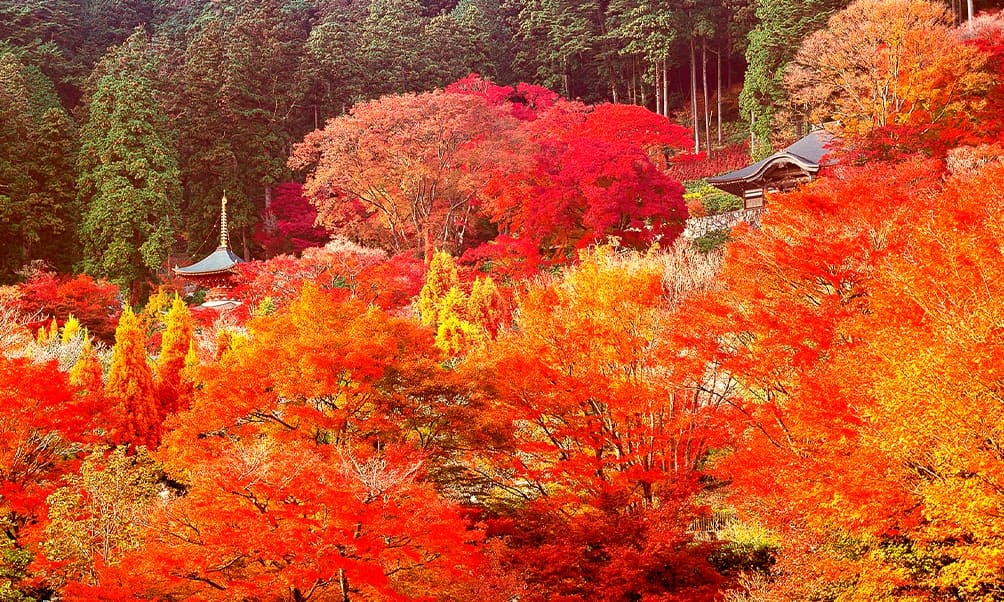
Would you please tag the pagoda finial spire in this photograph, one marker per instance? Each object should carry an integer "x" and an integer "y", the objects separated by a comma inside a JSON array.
[{"x": 224, "y": 239}]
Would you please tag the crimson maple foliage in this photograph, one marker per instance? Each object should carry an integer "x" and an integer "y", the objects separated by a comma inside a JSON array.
[
  {"x": 619, "y": 123},
  {"x": 580, "y": 175},
  {"x": 288, "y": 224},
  {"x": 584, "y": 191},
  {"x": 523, "y": 101},
  {"x": 690, "y": 167}
]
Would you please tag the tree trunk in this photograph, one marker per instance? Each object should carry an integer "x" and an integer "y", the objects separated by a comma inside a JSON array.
[
  {"x": 658, "y": 91},
  {"x": 728, "y": 58},
  {"x": 565, "y": 77},
  {"x": 693, "y": 97},
  {"x": 343, "y": 583},
  {"x": 634, "y": 82},
  {"x": 718, "y": 74},
  {"x": 704, "y": 88},
  {"x": 641, "y": 90},
  {"x": 665, "y": 88}
]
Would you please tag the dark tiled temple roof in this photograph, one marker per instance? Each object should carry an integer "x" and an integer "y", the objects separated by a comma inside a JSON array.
[
  {"x": 219, "y": 261},
  {"x": 806, "y": 153}
]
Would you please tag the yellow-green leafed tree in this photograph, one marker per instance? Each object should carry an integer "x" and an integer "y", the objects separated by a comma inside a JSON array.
[
  {"x": 154, "y": 314},
  {"x": 130, "y": 385},
  {"x": 71, "y": 329},
  {"x": 442, "y": 277},
  {"x": 100, "y": 513},
  {"x": 48, "y": 335},
  {"x": 455, "y": 332},
  {"x": 882, "y": 63},
  {"x": 86, "y": 372},
  {"x": 485, "y": 306}
]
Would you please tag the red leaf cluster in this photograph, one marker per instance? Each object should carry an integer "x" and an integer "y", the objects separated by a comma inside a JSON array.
[
  {"x": 288, "y": 224},
  {"x": 95, "y": 303}
]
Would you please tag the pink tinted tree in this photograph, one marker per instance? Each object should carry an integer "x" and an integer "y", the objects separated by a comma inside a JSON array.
[{"x": 403, "y": 170}]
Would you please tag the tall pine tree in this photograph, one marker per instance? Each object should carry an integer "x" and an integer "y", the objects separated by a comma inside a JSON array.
[
  {"x": 128, "y": 182},
  {"x": 773, "y": 42},
  {"x": 240, "y": 106},
  {"x": 393, "y": 47},
  {"x": 37, "y": 198}
]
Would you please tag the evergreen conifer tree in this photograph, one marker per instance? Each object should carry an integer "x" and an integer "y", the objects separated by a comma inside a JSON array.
[
  {"x": 128, "y": 182},
  {"x": 130, "y": 385},
  {"x": 174, "y": 347}
]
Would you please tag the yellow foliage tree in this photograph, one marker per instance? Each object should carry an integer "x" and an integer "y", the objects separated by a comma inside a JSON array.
[
  {"x": 440, "y": 279},
  {"x": 153, "y": 312},
  {"x": 48, "y": 335},
  {"x": 455, "y": 332},
  {"x": 101, "y": 512},
  {"x": 70, "y": 329},
  {"x": 485, "y": 306},
  {"x": 86, "y": 372}
]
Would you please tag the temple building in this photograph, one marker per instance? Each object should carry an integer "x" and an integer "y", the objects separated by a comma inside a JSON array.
[
  {"x": 780, "y": 172},
  {"x": 215, "y": 272}
]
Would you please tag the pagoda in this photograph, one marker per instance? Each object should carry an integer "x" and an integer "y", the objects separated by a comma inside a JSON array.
[{"x": 215, "y": 272}]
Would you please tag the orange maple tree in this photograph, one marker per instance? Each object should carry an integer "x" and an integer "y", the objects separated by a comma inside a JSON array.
[
  {"x": 590, "y": 455},
  {"x": 896, "y": 76},
  {"x": 401, "y": 172},
  {"x": 44, "y": 422},
  {"x": 304, "y": 465},
  {"x": 130, "y": 385},
  {"x": 857, "y": 446},
  {"x": 173, "y": 387}
]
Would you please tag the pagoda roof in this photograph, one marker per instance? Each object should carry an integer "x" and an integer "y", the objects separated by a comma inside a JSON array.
[
  {"x": 219, "y": 261},
  {"x": 806, "y": 153}
]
